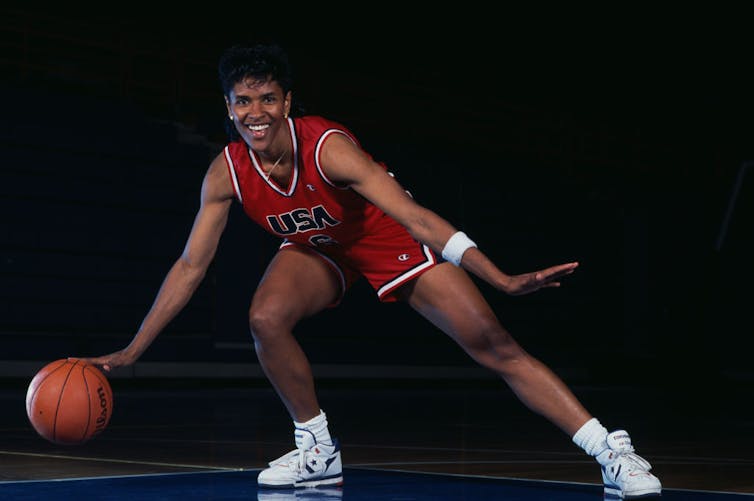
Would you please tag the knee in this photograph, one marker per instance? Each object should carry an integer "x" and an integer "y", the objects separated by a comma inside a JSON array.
[
  {"x": 496, "y": 349},
  {"x": 265, "y": 321}
]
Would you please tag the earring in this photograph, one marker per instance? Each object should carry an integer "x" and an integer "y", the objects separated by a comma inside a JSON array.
[
  {"x": 230, "y": 117},
  {"x": 285, "y": 115}
]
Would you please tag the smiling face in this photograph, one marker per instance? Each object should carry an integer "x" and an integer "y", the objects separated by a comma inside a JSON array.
[{"x": 259, "y": 109}]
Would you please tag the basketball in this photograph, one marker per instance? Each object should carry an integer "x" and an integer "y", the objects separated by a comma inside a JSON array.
[{"x": 69, "y": 402}]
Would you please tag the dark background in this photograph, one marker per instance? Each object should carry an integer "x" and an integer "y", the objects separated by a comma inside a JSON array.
[{"x": 619, "y": 142}]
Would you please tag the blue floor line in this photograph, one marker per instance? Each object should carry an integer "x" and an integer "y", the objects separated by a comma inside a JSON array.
[{"x": 360, "y": 484}]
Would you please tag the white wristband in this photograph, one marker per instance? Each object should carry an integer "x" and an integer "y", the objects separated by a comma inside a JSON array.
[{"x": 456, "y": 246}]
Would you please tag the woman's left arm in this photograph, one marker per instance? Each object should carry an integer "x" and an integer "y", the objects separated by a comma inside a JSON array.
[{"x": 345, "y": 162}]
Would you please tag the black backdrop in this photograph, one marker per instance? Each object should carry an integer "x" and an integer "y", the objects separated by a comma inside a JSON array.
[{"x": 622, "y": 152}]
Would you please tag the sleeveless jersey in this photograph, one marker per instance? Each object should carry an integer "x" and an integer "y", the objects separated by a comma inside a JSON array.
[
  {"x": 312, "y": 210},
  {"x": 351, "y": 233}
]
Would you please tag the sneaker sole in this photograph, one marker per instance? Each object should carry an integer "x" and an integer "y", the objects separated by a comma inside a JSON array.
[
  {"x": 336, "y": 480},
  {"x": 612, "y": 492}
]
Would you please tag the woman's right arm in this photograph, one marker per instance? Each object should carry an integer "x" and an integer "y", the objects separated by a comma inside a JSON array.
[{"x": 187, "y": 272}]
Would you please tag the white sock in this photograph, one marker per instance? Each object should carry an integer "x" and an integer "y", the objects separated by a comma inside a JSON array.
[
  {"x": 317, "y": 426},
  {"x": 591, "y": 437}
]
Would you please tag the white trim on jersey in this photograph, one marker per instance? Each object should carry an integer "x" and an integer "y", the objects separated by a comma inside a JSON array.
[
  {"x": 320, "y": 142},
  {"x": 233, "y": 176},
  {"x": 294, "y": 180}
]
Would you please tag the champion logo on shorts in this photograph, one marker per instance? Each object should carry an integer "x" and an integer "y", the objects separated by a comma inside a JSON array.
[
  {"x": 311, "y": 187},
  {"x": 403, "y": 257}
]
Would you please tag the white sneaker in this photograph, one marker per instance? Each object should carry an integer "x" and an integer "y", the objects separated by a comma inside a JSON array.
[
  {"x": 310, "y": 465},
  {"x": 625, "y": 474}
]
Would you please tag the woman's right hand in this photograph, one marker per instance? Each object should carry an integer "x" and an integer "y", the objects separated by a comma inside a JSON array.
[{"x": 112, "y": 361}]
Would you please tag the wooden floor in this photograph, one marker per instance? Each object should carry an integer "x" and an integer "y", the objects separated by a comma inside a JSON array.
[{"x": 695, "y": 441}]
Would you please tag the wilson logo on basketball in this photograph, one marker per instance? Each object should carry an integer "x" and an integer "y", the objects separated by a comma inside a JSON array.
[{"x": 102, "y": 418}]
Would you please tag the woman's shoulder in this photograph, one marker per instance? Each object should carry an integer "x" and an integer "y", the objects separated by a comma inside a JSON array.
[
  {"x": 318, "y": 122},
  {"x": 314, "y": 127}
]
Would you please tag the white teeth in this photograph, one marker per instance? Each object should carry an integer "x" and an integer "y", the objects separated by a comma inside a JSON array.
[{"x": 258, "y": 127}]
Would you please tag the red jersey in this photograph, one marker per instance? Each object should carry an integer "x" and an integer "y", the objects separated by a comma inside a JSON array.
[
  {"x": 312, "y": 209},
  {"x": 315, "y": 212}
]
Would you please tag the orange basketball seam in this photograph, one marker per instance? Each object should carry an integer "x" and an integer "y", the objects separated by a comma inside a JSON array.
[
  {"x": 60, "y": 399},
  {"x": 86, "y": 436},
  {"x": 30, "y": 401}
]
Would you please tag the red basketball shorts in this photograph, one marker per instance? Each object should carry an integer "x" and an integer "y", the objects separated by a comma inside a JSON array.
[{"x": 388, "y": 259}]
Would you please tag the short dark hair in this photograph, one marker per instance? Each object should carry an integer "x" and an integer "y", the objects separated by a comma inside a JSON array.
[{"x": 259, "y": 62}]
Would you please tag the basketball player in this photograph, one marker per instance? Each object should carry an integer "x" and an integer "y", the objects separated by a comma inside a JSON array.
[{"x": 341, "y": 215}]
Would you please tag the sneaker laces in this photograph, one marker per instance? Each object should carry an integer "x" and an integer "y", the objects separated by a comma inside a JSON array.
[
  {"x": 301, "y": 460},
  {"x": 289, "y": 458},
  {"x": 633, "y": 461},
  {"x": 620, "y": 455},
  {"x": 296, "y": 459}
]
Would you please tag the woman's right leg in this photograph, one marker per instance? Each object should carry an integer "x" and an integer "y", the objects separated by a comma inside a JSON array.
[{"x": 297, "y": 284}]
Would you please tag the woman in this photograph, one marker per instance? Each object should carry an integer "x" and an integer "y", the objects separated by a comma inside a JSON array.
[{"x": 343, "y": 216}]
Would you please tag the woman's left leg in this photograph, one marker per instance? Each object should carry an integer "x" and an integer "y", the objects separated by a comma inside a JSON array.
[{"x": 447, "y": 297}]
